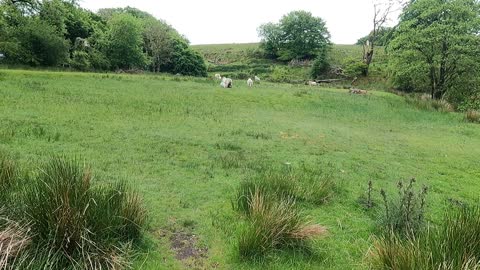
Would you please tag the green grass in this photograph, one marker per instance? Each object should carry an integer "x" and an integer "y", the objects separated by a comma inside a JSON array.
[
  {"x": 241, "y": 61},
  {"x": 186, "y": 144}
]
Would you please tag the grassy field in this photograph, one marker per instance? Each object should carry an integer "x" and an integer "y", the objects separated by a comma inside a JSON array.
[
  {"x": 185, "y": 144},
  {"x": 241, "y": 61}
]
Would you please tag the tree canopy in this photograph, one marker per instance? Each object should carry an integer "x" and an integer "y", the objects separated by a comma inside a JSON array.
[
  {"x": 61, "y": 33},
  {"x": 298, "y": 35},
  {"x": 436, "y": 49}
]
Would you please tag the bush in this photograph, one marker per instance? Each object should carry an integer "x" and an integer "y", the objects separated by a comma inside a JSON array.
[
  {"x": 472, "y": 116},
  {"x": 320, "y": 66},
  {"x": 455, "y": 244},
  {"x": 274, "y": 224},
  {"x": 280, "y": 74},
  {"x": 353, "y": 67},
  {"x": 80, "y": 60},
  {"x": 80, "y": 224},
  {"x": 404, "y": 214}
]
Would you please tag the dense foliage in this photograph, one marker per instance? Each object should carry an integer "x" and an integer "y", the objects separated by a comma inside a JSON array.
[
  {"x": 55, "y": 33},
  {"x": 435, "y": 49},
  {"x": 298, "y": 35}
]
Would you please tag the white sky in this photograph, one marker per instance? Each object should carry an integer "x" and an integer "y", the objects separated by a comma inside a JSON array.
[{"x": 217, "y": 21}]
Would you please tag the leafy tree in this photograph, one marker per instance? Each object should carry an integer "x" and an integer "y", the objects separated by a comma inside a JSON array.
[
  {"x": 124, "y": 42},
  {"x": 271, "y": 34},
  {"x": 298, "y": 35},
  {"x": 42, "y": 40},
  {"x": 436, "y": 49},
  {"x": 158, "y": 38}
]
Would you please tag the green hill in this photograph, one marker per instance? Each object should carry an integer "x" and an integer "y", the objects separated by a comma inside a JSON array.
[{"x": 241, "y": 61}]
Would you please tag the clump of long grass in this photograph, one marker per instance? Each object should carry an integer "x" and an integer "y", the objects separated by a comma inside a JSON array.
[
  {"x": 425, "y": 102},
  {"x": 274, "y": 224},
  {"x": 454, "y": 244},
  {"x": 14, "y": 239},
  {"x": 302, "y": 183},
  {"x": 404, "y": 213},
  {"x": 472, "y": 116},
  {"x": 8, "y": 173},
  {"x": 80, "y": 224}
]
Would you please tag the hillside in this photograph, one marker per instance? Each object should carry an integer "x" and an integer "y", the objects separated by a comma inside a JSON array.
[
  {"x": 245, "y": 60},
  {"x": 187, "y": 144}
]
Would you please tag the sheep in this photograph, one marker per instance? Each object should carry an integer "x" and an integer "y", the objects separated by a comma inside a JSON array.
[
  {"x": 218, "y": 77},
  {"x": 312, "y": 83},
  {"x": 250, "y": 82},
  {"x": 226, "y": 82},
  {"x": 257, "y": 79},
  {"x": 358, "y": 91}
]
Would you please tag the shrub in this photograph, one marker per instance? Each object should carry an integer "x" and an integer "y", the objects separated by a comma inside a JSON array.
[
  {"x": 80, "y": 60},
  {"x": 274, "y": 224},
  {"x": 353, "y": 67},
  {"x": 472, "y": 116},
  {"x": 81, "y": 224},
  {"x": 280, "y": 74},
  {"x": 454, "y": 244},
  {"x": 404, "y": 214},
  {"x": 320, "y": 66}
]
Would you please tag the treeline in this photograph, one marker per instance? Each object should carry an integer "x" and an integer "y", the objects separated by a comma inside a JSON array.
[{"x": 59, "y": 33}]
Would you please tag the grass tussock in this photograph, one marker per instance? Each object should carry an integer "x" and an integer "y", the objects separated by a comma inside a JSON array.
[
  {"x": 73, "y": 224},
  {"x": 8, "y": 173},
  {"x": 310, "y": 184},
  {"x": 14, "y": 239},
  {"x": 274, "y": 224},
  {"x": 472, "y": 116},
  {"x": 454, "y": 244},
  {"x": 426, "y": 103}
]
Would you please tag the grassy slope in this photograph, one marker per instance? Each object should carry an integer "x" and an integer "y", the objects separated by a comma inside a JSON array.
[
  {"x": 231, "y": 59},
  {"x": 165, "y": 135}
]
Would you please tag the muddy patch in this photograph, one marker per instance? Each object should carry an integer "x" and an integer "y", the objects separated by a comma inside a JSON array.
[{"x": 185, "y": 246}]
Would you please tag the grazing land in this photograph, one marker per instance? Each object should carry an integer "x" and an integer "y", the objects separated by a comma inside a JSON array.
[{"x": 186, "y": 144}]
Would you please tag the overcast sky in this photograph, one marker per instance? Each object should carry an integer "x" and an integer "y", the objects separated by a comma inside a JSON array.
[{"x": 217, "y": 21}]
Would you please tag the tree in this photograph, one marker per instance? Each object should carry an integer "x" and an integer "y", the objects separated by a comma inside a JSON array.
[
  {"x": 436, "y": 48},
  {"x": 381, "y": 11},
  {"x": 124, "y": 42},
  {"x": 298, "y": 35},
  {"x": 158, "y": 38}
]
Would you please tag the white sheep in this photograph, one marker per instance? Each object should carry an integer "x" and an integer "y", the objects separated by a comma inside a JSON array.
[
  {"x": 226, "y": 82},
  {"x": 250, "y": 82},
  {"x": 218, "y": 77},
  {"x": 312, "y": 83},
  {"x": 257, "y": 79}
]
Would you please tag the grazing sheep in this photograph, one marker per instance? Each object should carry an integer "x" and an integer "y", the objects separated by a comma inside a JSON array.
[
  {"x": 358, "y": 91},
  {"x": 257, "y": 79},
  {"x": 249, "y": 82},
  {"x": 226, "y": 82},
  {"x": 218, "y": 77},
  {"x": 312, "y": 83}
]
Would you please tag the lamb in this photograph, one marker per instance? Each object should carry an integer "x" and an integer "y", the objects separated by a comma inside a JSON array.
[
  {"x": 312, "y": 83},
  {"x": 250, "y": 82},
  {"x": 218, "y": 77},
  {"x": 257, "y": 79}
]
